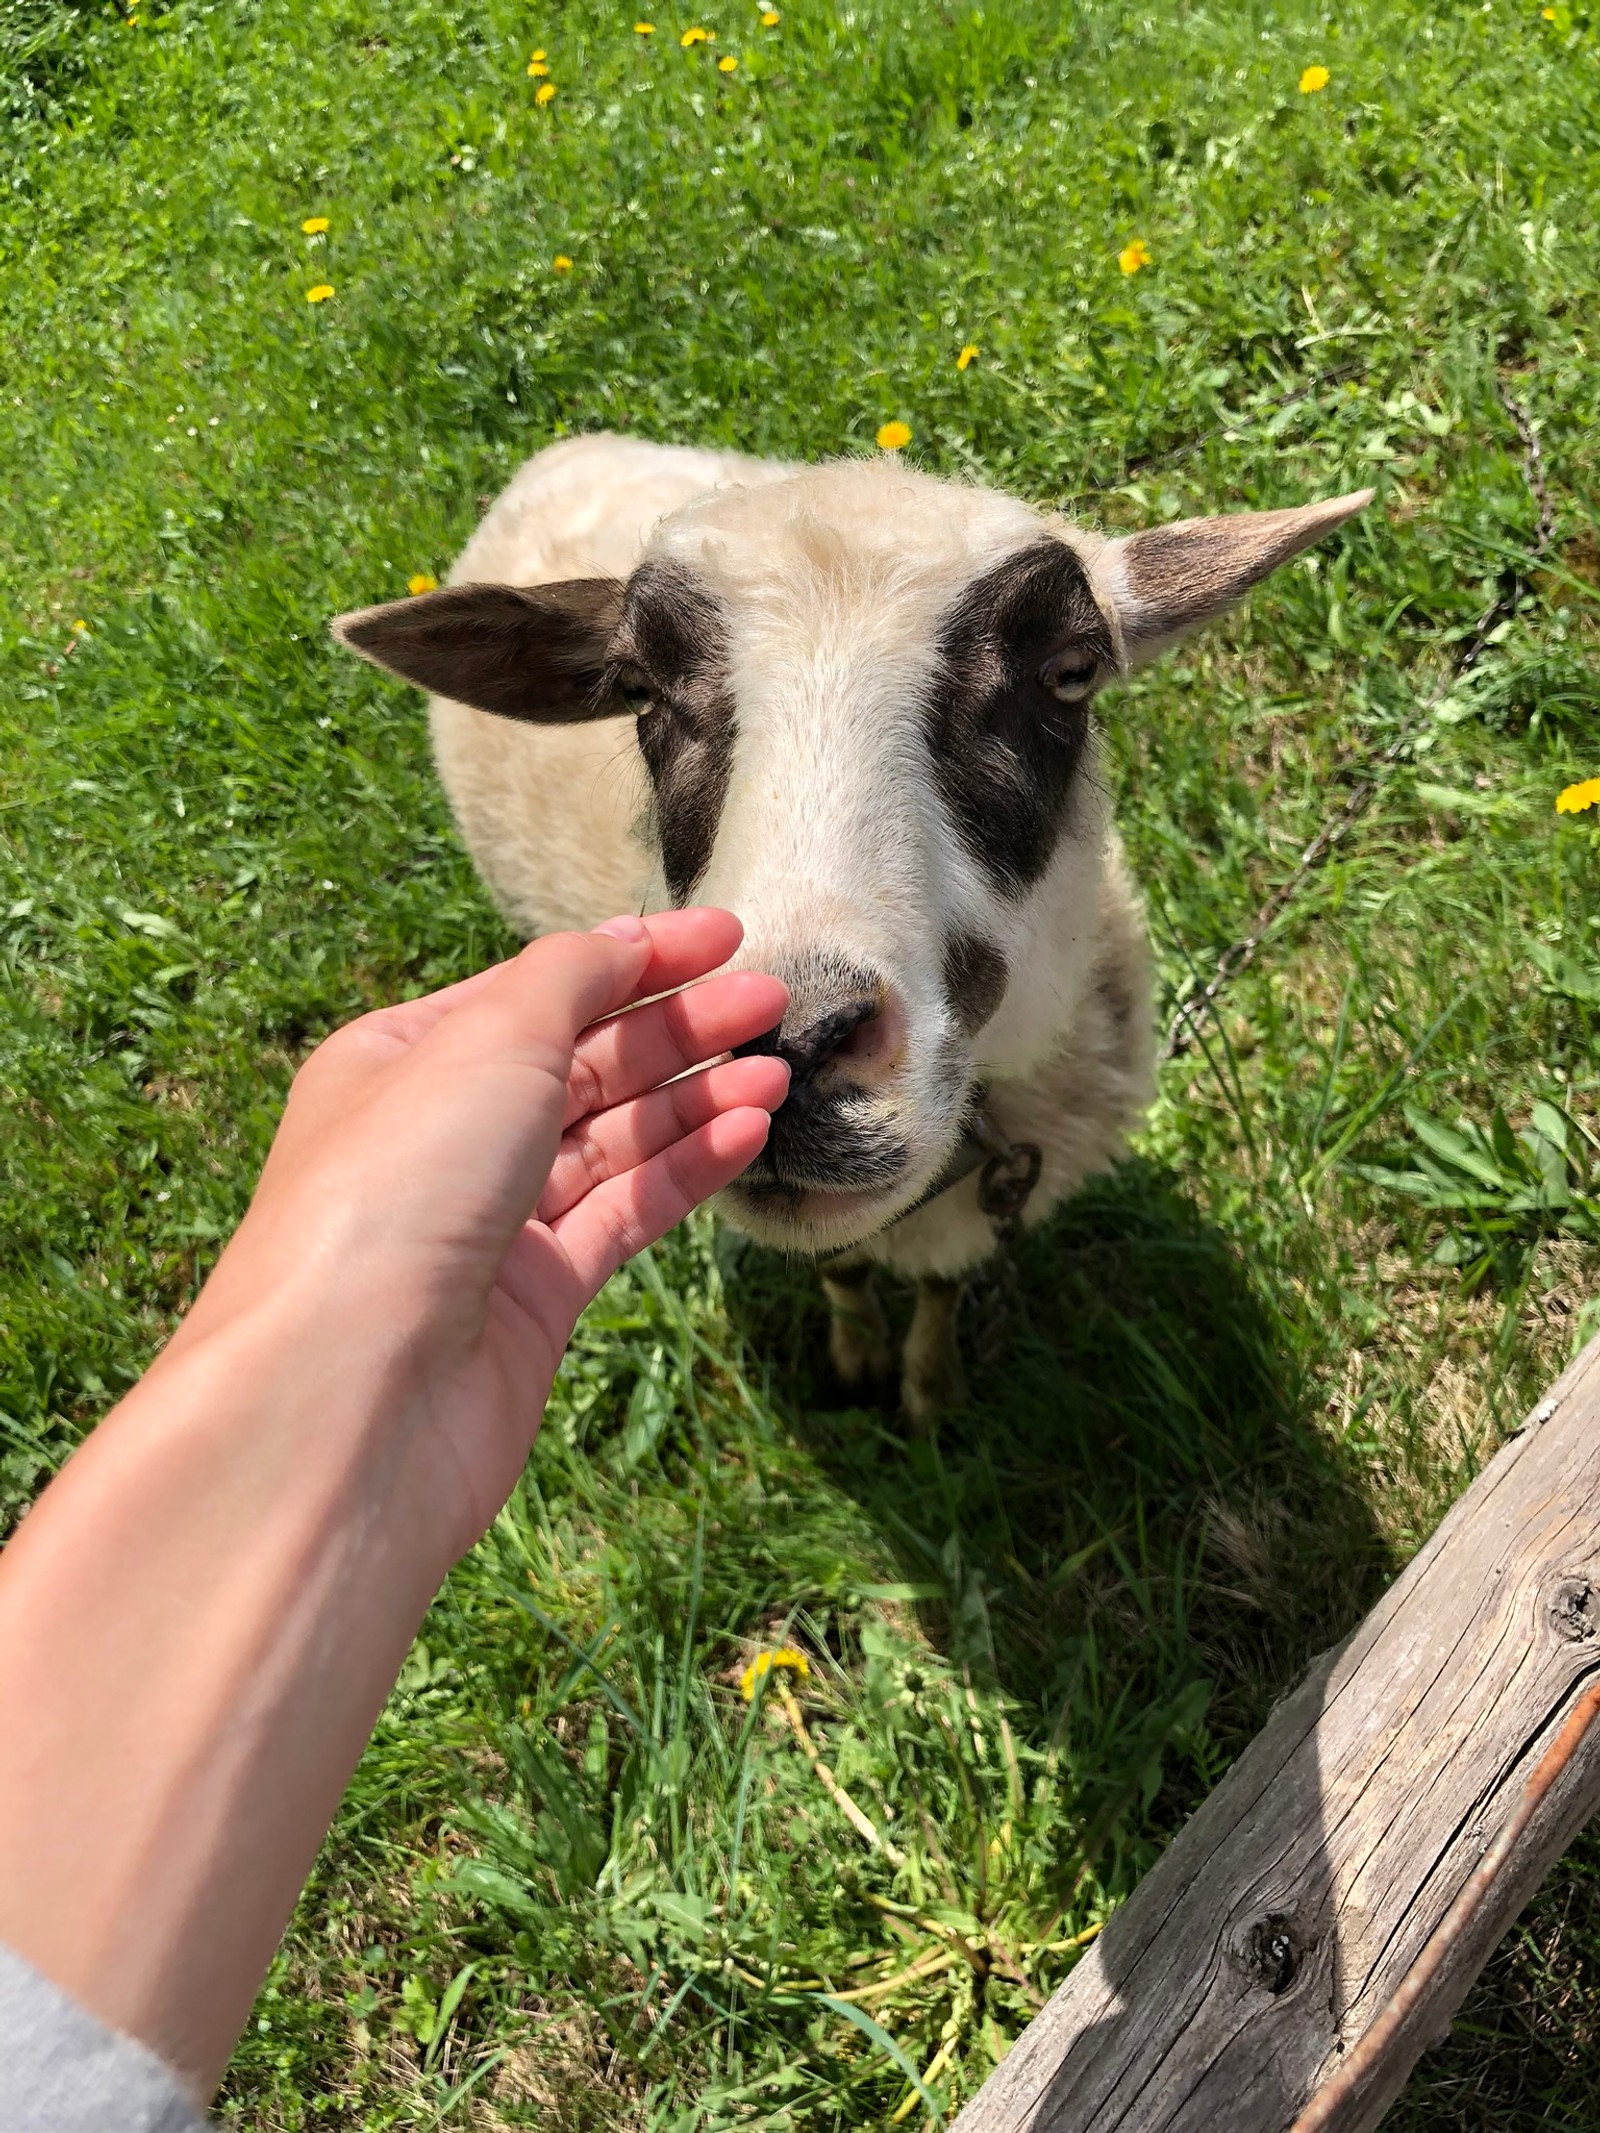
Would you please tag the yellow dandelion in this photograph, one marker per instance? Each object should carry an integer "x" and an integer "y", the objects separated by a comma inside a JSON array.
[
  {"x": 968, "y": 356},
  {"x": 537, "y": 67},
  {"x": 1313, "y": 79},
  {"x": 320, "y": 294},
  {"x": 893, "y": 435},
  {"x": 421, "y": 581},
  {"x": 644, "y": 29},
  {"x": 727, "y": 63},
  {"x": 80, "y": 624},
  {"x": 770, "y": 18},
  {"x": 561, "y": 263},
  {"x": 1577, "y": 798},
  {"x": 545, "y": 93},
  {"x": 694, "y": 36},
  {"x": 1548, "y": 13},
  {"x": 785, "y": 1660},
  {"x": 1134, "y": 255},
  {"x": 540, "y": 54},
  {"x": 314, "y": 225}
]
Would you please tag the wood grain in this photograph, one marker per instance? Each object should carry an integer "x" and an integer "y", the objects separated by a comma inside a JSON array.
[{"x": 1276, "y": 1927}]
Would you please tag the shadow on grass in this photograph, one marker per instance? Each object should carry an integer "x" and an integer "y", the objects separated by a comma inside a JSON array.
[
  {"x": 1134, "y": 1505},
  {"x": 1138, "y": 1533}
]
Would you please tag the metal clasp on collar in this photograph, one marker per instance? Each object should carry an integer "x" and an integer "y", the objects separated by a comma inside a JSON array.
[{"x": 1009, "y": 1171}]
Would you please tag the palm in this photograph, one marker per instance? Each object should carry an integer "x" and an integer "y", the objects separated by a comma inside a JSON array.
[{"x": 611, "y": 1134}]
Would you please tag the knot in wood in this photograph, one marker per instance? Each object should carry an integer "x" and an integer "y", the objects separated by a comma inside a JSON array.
[
  {"x": 1575, "y": 1609},
  {"x": 1273, "y": 1951}
]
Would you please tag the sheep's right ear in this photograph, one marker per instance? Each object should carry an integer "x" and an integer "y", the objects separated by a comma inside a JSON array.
[{"x": 533, "y": 652}]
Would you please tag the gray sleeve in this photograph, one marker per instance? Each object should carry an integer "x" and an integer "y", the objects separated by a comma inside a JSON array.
[{"x": 62, "y": 2071}]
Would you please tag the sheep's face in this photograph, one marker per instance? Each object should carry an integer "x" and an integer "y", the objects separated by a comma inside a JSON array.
[{"x": 863, "y": 700}]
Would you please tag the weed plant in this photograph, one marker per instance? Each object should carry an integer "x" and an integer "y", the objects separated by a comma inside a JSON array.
[{"x": 580, "y": 1880}]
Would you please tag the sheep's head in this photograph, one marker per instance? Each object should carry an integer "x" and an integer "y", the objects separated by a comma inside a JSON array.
[{"x": 863, "y": 700}]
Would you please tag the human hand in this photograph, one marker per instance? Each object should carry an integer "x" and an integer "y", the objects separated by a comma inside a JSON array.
[{"x": 455, "y": 1178}]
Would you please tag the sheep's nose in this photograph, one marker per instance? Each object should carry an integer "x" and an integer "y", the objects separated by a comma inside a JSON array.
[{"x": 855, "y": 1040}]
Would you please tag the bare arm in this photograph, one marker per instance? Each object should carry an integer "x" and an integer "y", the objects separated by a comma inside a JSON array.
[{"x": 201, "y": 1617}]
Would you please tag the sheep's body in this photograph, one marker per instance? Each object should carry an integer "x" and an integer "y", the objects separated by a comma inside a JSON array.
[{"x": 556, "y": 817}]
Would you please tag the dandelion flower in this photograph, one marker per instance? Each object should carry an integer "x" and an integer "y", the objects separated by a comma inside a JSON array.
[
  {"x": 770, "y": 18},
  {"x": 1548, "y": 14},
  {"x": 785, "y": 1660},
  {"x": 694, "y": 36},
  {"x": 80, "y": 624},
  {"x": 320, "y": 294},
  {"x": 540, "y": 54},
  {"x": 893, "y": 435},
  {"x": 968, "y": 356},
  {"x": 727, "y": 63},
  {"x": 1313, "y": 79},
  {"x": 644, "y": 29},
  {"x": 1577, "y": 798},
  {"x": 561, "y": 263},
  {"x": 1134, "y": 255},
  {"x": 545, "y": 93},
  {"x": 421, "y": 581},
  {"x": 536, "y": 67},
  {"x": 314, "y": 225}
]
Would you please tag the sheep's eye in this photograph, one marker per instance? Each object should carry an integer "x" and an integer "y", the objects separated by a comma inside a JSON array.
[
  {"x": 1069, "y": 675},
  {"x": 635, "y": 690}
]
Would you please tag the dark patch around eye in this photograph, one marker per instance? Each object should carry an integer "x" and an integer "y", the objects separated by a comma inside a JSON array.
[
  {"x": 974, "y": 980},
  {"x": 674, "y": 631},
  {"x": 1006, "y": 753}
]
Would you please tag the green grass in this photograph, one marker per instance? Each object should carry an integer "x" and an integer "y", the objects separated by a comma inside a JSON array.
[{"x": 578, "y": 1881}]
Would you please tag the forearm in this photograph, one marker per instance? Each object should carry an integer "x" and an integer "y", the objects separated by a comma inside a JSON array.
[{"x": 199, "y": 1624}]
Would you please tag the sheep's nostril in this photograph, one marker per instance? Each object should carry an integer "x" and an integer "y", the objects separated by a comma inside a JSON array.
[
  {"x": 840, "y": 1034},
  {"x": 829, "y": 1037}
]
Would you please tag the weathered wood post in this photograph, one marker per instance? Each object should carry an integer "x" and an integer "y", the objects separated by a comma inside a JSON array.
[{"x": 1319, "y": 1919}]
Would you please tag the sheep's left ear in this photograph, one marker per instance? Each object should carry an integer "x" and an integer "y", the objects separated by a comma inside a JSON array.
[
  {"x": 535, "y": 652},
  {"x": 1167, "y": 581}
]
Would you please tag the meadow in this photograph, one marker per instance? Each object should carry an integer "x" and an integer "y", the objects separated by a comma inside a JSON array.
[{"x": 291, "y": 287}]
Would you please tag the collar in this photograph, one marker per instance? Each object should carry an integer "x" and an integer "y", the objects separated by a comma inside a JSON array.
[{"x": 1010, "y": 1169}]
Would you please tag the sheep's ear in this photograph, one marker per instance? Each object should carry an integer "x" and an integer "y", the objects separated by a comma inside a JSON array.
[
  {"x": 1165, "y": 582},
  {"x": 533, "y": 652}
]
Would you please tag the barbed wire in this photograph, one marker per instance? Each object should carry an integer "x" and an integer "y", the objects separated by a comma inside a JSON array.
[{"x": 1192, "y": 1012}]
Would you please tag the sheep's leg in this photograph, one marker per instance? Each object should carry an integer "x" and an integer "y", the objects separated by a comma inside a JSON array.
[
  {"x": 858, "y": 1332},
  {"x": 933, "y": 1378}
]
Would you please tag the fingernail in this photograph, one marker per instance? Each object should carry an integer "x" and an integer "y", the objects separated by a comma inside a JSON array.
[{"x": 625, "y": 928}]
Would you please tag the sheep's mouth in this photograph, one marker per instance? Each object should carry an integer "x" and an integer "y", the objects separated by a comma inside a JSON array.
[{"x": 828, "y": 1147}]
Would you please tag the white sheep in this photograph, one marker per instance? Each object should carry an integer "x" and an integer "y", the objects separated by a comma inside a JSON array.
[{"x": 852, "y": 703}]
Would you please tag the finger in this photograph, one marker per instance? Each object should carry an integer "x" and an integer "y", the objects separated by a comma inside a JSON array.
[
  {"x": 411, "y": 1020},
  {"x": 531, "y": 1011},
  {"x": 604, "y": 1146},
  {"x": 560, "y": 983},
  {"x": 685, "y": 945},
  {"x": 630, "y": 1053},
  {"x": 625, "y": 1214}
]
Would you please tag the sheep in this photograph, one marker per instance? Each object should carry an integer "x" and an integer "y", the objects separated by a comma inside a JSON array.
[{"x": 853, "y": 703}]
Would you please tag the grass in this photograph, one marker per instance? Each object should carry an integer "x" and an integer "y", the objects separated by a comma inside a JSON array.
[{"x": 578, "y": 1881}]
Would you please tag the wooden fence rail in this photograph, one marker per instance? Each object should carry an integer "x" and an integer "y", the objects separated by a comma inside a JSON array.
[{"x": 1319, "y": 1919}]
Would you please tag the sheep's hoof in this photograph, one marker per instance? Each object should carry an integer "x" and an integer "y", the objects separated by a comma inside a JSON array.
[
  {"x": 933, "y": 1379},
  {"x": 858, "y": 1332},
  {"x": 927, "y": 1392}
]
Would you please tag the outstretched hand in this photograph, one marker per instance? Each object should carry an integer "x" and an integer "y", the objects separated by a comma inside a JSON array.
[
  {"x": 202, "y": 1614},
  {"x": 455, "y": 1178}
]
